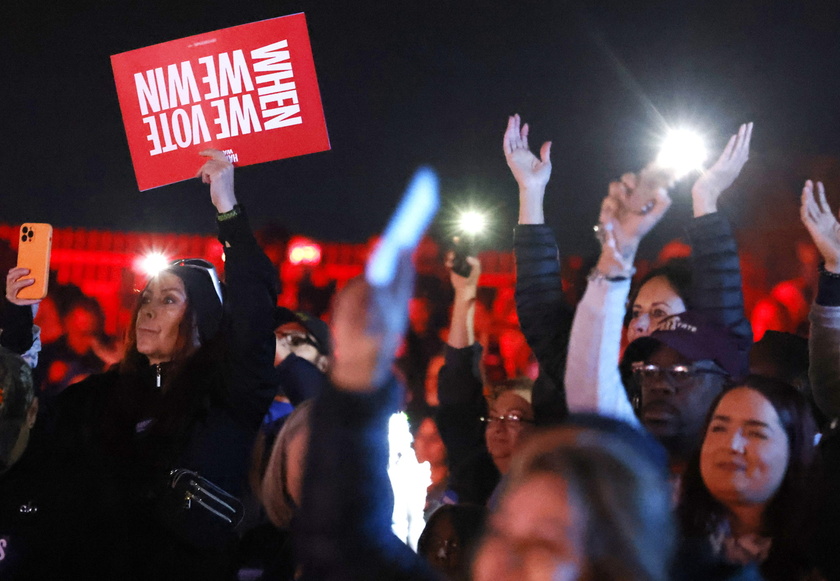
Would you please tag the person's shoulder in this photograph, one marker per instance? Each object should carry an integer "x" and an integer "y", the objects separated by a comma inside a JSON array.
[{"x": 93, "y": 388}]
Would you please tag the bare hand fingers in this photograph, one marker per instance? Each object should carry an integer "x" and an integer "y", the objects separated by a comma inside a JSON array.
[
  {"x": 545, "y": 152},
  {"x": 630, "y": 182},
  {"x": 748, "y": 138},
  {"x": 507, "y": 142},
  {"x": 16, "y": 273},
  {"x": 215, "y": 154},
  {"x": 821, "y": 200},
  {"x": 727, "y": 151},
  {"x": 814, "y": 212}
]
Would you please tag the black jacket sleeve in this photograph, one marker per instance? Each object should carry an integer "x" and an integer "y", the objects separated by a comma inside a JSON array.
[
  {"x": 16, "y": 325},
  {"x": 544, "y": 315},
  {"x": 472, "y": 474},
  {"x": 343, "y": 528},
  {"x": 716, "y": 289},
  {"x": 249, "y": 306}
]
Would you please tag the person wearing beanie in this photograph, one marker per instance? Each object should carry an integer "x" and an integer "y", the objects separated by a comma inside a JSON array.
[{"x": 190, "y": 393}]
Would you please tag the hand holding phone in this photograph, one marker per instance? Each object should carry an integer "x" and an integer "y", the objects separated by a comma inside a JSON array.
[{"x": 462, "y": 247}]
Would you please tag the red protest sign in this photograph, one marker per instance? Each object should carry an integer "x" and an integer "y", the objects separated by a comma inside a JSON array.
[{"x": 250, "y": 91}]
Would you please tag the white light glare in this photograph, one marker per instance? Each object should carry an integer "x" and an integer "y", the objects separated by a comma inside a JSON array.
[
  {"x": 153, "y": 263},
  {"x": 409, "y": 481},
  {"x": 682, "y": 151},
  {"x": 472, "y": 222}
]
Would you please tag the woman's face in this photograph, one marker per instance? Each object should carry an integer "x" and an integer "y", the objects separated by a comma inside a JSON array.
[
  {"x": 656, "y": 300},
  {"x": 503, "y": 437},
  {"x": 745, "y": 451},
  {"x": 162, "y": 306},
  {"x": 536, "y": 534}
]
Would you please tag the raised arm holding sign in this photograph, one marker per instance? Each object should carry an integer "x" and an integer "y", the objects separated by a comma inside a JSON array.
[{"x": 249, "y": 91}]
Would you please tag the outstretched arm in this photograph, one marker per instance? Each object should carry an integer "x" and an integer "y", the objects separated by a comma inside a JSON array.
[
  {"x": 824, "y": 341},
  {"x": 343, "y": 530},
  {"x": 544, "y": 315},
  {"x": 250, "y": 298},
  {"x": 716, "y": 289},
  {"x": 593, "y": 383},
  {"x": 460, "y": 391},
  {"x": 531, "y": 173}
]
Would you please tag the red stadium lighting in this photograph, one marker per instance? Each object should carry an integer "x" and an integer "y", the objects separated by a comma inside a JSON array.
[{"x": 304, "y": 252}]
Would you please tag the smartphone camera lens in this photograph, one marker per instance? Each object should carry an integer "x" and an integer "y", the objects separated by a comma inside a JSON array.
[{"x": 23, "y": 238}]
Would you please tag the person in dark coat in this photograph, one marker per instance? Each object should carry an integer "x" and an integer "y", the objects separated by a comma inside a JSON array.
[{"x": 196, "y": 380}]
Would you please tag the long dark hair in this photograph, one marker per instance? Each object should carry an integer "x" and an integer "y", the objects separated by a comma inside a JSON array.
[
  {"x": 678, "y": 274},
  {"x": 187, "y": 377},
  {"x": 184, "y": 346},
  {"x": 788, "y": 517}
]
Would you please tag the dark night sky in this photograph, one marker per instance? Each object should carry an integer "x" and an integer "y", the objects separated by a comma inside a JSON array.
[{"x": 423, "y": 82}]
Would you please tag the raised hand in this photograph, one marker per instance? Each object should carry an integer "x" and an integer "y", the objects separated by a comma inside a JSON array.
[
  {"x": 531, "y": 173},
  {"x": 465, "y": 286},
  {"x": 633, "y": 206},
  {"x": 218, "y": 172},
  {"x": 368, "y": 323},
  {"x": 15, "y": 281},
  {"x": 821, "y": 224},
  {"x": 715, "y": 180}
]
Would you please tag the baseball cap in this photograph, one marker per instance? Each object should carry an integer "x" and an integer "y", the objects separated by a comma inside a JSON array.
[
  {"x": 696, "y": 338},
  {"x": 313, "y": 325},
  {"x": 16, "y": 395}
]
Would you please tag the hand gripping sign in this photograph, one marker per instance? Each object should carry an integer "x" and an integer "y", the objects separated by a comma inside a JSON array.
[{"x": 250, "y": 91}]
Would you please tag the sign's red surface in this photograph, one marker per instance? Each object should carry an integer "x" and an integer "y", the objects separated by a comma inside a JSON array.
[{"x": 249, "y": 90}]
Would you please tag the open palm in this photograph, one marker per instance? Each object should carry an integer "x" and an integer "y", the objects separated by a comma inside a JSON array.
[{"x": 821, "y": 224}]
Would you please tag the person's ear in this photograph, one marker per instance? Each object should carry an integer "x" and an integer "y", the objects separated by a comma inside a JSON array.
[
  {"x": 32, "y": 413},
  {"x": 322, "y": 363}
]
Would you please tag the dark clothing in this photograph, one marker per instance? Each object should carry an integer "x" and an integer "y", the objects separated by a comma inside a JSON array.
[
  {"x": 343, "y": 529},
  {"x": 419, "y": 351},
  {"x": 53, "y": 519},
  {"x": 716, "y": 288},
  {"x": 299, "y": 379},
  {"x": 544, "y": 315},
  {"x": 16, "y": 325},
  {"x": 472, "y": 474},
  {"x": 59, "y": 366},
  {"x": 695, "y": 561},
  {"x": 138, "y": 421}
]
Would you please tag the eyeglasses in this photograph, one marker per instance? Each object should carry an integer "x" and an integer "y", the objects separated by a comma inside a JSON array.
[
  {"x": 207, "y": 267},
  {"x": 509, "y": 419},
  {"x": 676, "y": 375},
  {"x": 296, "y": 340}
]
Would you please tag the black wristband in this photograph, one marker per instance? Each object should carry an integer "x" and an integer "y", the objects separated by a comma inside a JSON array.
[
  {"x": 828, "y": 287},
  {"x": 229, "y": 214}
]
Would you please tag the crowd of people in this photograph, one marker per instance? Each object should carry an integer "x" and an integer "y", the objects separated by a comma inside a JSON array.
[{"x": 641, "y": 434}]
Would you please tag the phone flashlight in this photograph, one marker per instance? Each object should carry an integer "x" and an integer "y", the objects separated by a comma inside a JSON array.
[
  {"x": 153, "y": 263},
  {"x": 471, "y": 223},
  {"x": 682, "y": 152}
]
